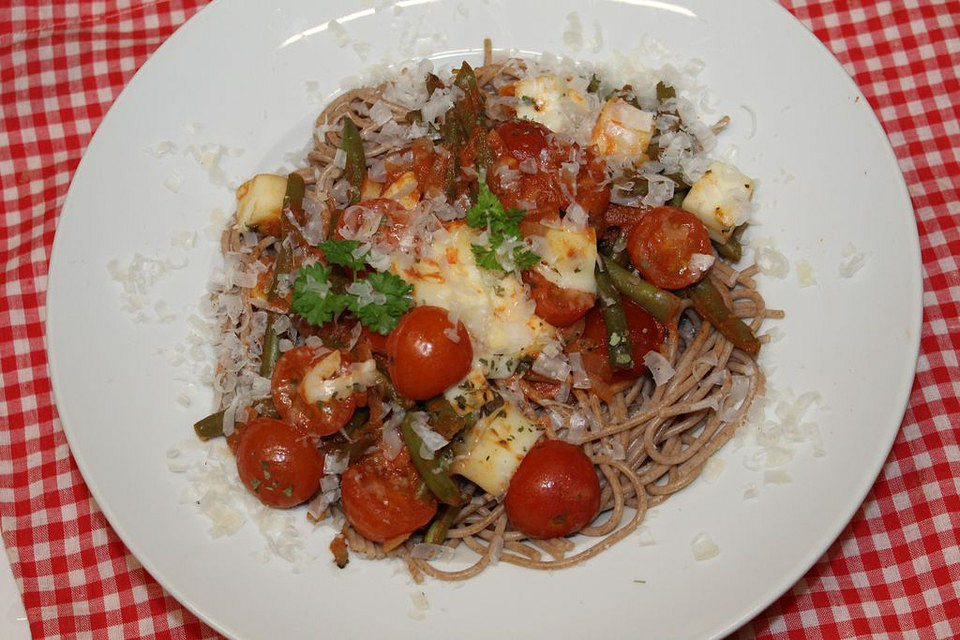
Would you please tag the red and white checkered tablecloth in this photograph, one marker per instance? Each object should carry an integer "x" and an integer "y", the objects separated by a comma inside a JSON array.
[{"x": 894, "y": 571}]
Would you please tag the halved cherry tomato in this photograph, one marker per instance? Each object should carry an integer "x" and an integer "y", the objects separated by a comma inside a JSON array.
[
  {"x": 559, "y": 306},
  {"x": 277, "y": 463},
  {"x": 382, "y": 498},
  {"x": 393, "y": 220},
  {"x": 550, "y": 187},
  {"x": 646, "y": 334},
  {"x": 554, "y": 492},
  {"x": 320, "y": 419},
  {"x": 423, "y": 360},
  {"x": 660, "y": 246}
]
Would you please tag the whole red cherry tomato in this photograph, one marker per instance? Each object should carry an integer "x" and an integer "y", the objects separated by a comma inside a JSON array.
[
  {"x": 423, "y": 360},
  {"x": 661, "y": 244},
  {"x": 554, "y": 492},
  {"x": 278, "y": 464},
  {"x": 646, "y": 334},
  {"x": 316, "y": 419},
  {"x": 382, "y": 498},
  {"x": 557, "y": 305}
]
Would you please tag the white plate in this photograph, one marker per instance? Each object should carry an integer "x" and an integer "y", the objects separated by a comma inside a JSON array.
[{"x": 827, "y": 177}]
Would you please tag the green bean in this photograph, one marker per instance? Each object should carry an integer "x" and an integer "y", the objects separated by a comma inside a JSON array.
[
  {"x": 469, "y": 114},
  {"x": 356, "y": 167},
  {"x": 619, "y": 345},
  {"x": 437, "y": 532},
  {"x": 615, "y": 248},
  {"x": 662, "y": 305},
  {"x": 271, "y": 346},
  {"x": 432, "y": 471},
  {"x": 210, "y": 427},
  {"x": 709, "y": 303},
  {"x": 732, "y": 248}
]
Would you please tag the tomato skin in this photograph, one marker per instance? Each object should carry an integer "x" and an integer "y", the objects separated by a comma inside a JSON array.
[
  {"x": 278, "y": 464},
  {"x": 661, "y": 243},
  {"x": 515, "y": 141},
  {"x": 393, "y": 222},
  {"x": 646, "y": 334},
  {"x": 317, "y": 420},
  {"x": 559, "y": 306},
  {"x": 422, "y": 360},
  {"x": 554, "y": 492},
  {"x": 382, "y": 499}
]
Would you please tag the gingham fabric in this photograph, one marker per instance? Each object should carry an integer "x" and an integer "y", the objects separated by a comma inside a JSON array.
[{"x": 894, "y": 571}]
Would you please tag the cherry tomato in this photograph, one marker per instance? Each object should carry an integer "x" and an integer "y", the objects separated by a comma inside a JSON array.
[
  {"x": 278, "y": 464},
  {"x": 382, "y": 498},
  {"x": 646, "y": 334},
  {"x": 554, "y": 492},
  {"x": 550, "y": 187},
  {"x": 320, "y": 419},
  {"x": 559, "y": 306},
  {"x": 423, "y": 360},
  {"x": 393, "y": 220},
  {"x": 660, "y": 246}
]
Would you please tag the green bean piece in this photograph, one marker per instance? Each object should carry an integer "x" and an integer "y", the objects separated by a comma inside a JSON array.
[
  {"x": 437, "y": 532},
  {"x": 469, "y": 114},
  {"x": 662, "y": 305},
  {"x": 732, "y": 249},
  {"x": 296, "y": 188},
  {"x": 356, "y": 167},
  {"x": 665, "y": 92},
  {"x": 709, "y": 303},
  {"x": 271, "y": 347},
  {"x": 210, "y": 427},
  {"x": 614, "y": 248},
  {"x": 432, "y": 471},
  {"x": 619, "y": 345}
]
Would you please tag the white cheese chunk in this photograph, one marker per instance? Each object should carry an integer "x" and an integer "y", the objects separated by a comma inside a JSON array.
[
  {"x": 568, "y": 258},
  {"x": 622, "y": 130},
  {"x": 493, "y": 448},
  {"x": 404, "y": 190},
  {"x": 721, "y": 199},
  {"x": 260, "y": 199},
  {"x": 320, "y": 384},
  {"x": 551, "y": 101},
  {"x": 471, "y": 393},
  {"x": 493, "y": 306}
]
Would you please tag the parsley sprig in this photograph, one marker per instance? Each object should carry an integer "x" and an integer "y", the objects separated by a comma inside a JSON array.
[
  {"x": 503, "y": 227},
  {"x": 319, "y": 299},
  {"x": 343, "y": 253}
]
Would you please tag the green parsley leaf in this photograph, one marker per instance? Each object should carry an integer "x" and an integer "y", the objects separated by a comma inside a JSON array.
[
  {"x": 383, "y": 317},
  {"x": 501, "y": 223},
  {"x": 313, "y": 295},
  {"x": 486, "y": 257},
  {"x": 341, "y": 252},
  {"x": 524, "y": 258}
]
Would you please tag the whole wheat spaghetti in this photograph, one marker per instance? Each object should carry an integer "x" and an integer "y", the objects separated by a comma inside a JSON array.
[{"x": 647, "y": 434}]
